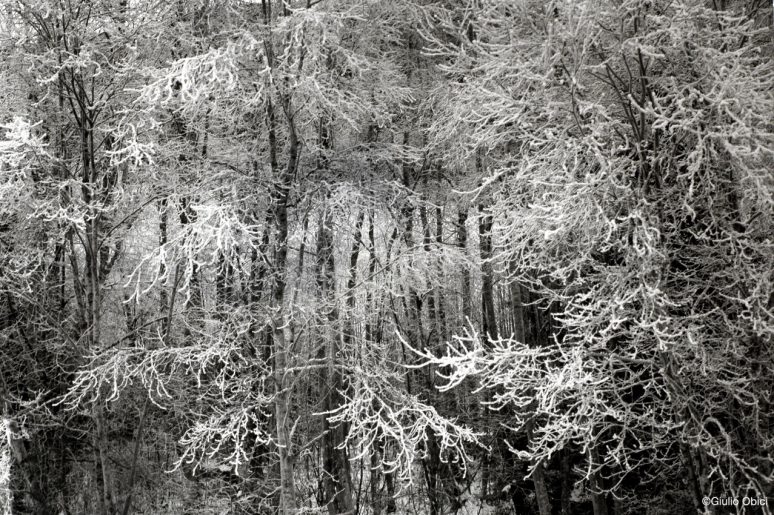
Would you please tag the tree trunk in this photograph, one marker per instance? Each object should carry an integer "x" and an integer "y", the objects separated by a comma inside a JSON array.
[
  {"x": 337, "y": 482},
  {"x": 34, "y": 495},
  {"x": 282, "y": 384},
  {"x": 488, "y": 315},
  {"x": 462, "y": 243},
  {"x": 598, "y": 498},
  {"x": 541, "y": 492},
  {"x": 373, "y": 336},
  {"x": 566, "y": 482}
]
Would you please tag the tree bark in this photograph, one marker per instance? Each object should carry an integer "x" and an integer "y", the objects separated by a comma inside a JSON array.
[
  {"x": 462, "y": 243},
  {"x": 598, "y": 498},
  {"x": 541, "y": 491},
  {"x": 279, "y": 202},
  {"x": 488, "y": 315},
  {"x": 337, "y": 482}
]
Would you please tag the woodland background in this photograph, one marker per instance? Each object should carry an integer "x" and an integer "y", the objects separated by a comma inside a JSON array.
[{"x": 409, "y": 256}]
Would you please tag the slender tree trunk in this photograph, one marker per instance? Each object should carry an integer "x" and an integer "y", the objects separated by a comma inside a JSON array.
[
  {"x": 277, "y": 337},
  {"x": 337, "y": 482},
  {"x": 541, "y": 492},
  {"x": 416, "y": 336},
  {"x": 107, "y": 499},
  {"x": 693, "y": 481},
  {"x": 488, "y": 314},
  {"x": 163, "y": 239},
  {"x": 462, "y": 243},
  {"x": 488, "y": 318},
  {"x": 343, "y": 473},
  {"x": 435, "y": 471},
  {"x": 373, "y": 336},
  {"x": 282, "y": 384},
  {"x": 135, "y": 458},
  {"x": 566, "y": 482},
  {"x": 598, "y": 498},
  {"x": 34, "y": 495},
  {"x": 440, "y": 302}
]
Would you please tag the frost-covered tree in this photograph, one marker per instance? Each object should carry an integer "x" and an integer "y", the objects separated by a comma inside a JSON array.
[
  {"x": 65, "y": 168},
  {"x": 629, "y": 151}
]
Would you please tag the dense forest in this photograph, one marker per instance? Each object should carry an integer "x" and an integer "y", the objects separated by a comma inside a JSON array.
[{"x": 386, "y": 256}]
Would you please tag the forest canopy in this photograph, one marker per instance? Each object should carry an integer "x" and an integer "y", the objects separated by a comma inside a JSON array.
[{"x": 372, "y": 257}]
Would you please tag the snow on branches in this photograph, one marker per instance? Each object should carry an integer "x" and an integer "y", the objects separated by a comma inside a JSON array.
[
  {"x": 222, "y": 438},
  {"x": 381, "y": 415},
  {"x": 217, "y": 235},
  {"x": 6, "y": 495},
  {"x": 223, "y": 386},
  {"x": 568, "y": 395},
  {"x": 21, "y": 150},
  {"x": 628, "y": 147}
]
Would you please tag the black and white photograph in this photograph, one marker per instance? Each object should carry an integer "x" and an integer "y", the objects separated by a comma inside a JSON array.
[{"x": 374, "y": 257}]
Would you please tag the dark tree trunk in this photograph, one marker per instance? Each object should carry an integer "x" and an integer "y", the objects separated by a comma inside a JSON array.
[
  {"x": 337, "y": 482},
  {"x": 488, "y": 314},
  {"x": 462, "y": 243}
]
